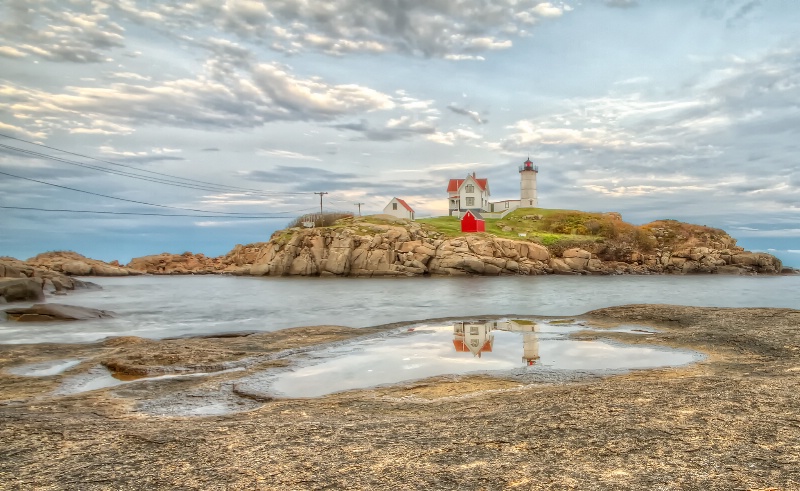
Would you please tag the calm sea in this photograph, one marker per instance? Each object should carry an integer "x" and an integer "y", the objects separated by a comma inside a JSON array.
[{"x": 164, "y": 306}]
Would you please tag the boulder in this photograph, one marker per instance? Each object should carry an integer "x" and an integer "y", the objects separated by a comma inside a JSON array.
[
  {"x": 45, "y": 312},
  {"x": 21, "y": 289},
  {"x": 76, "y": 268},
  {"x": 559, "y": 266}
]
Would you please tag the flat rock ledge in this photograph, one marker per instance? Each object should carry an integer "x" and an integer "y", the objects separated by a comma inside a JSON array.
[{"x": 46, "y": 312}]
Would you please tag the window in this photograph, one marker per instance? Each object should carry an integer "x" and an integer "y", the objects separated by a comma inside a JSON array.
[
  {"x": 469, "y": 188},
  {"x": 394, "y": 206},
  {"x": 470, "y": 201},
  {"x": 506, "y": 204},
  {"x": 473, "y": 330}
]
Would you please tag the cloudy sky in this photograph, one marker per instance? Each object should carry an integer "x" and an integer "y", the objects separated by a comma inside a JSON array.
[{"x": 237, "y": 111}]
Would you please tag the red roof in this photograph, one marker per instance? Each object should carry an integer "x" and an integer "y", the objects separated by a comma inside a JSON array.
[
  {"x": 454, "y": 184},
  {"x": 462, "y": 347},
  {"x": 405, "y": 205}
]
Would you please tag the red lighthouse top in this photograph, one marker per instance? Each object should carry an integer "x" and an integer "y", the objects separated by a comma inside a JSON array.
[{"x": 528, "y": 165}]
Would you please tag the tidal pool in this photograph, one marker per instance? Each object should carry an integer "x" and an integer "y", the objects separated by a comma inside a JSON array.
[
  {"x": 99, "y": 377},
  {"x": 463, "y": 347},
  {"x": 43, "y": 368}
]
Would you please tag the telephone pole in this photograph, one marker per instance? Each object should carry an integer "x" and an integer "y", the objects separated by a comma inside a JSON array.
[
  {"x": 359, "y": 208},
  {"x": 321, "y": 194}
]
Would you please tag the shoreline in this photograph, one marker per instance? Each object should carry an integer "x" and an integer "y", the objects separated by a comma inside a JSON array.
[{"x": 666, "y": 428}]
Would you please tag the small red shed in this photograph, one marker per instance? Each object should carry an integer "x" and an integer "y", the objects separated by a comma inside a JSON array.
[{"x": 472, "y": 221}]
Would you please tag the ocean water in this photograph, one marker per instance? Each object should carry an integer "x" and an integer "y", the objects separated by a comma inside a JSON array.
[{"x": 166, "y": 306}]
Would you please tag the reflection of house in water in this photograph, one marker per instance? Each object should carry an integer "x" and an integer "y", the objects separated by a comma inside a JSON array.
[{"x": 476, "y": 337}]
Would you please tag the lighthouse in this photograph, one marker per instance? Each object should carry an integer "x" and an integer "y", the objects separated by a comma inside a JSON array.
[{"x": 527, "y": 185}]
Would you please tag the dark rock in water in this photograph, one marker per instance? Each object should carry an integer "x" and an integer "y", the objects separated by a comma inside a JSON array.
[
  {"x": 21, "y": 289},
  {"x": 44, "y": 312}
]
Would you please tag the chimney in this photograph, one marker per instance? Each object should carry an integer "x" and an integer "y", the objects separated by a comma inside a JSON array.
[{"x": 473, "y": 175}]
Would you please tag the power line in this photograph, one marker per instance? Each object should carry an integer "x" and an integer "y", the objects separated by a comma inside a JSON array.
[
  {"x": 210, "y": 187},
  {"x": 226, "y": 213},
  {"x": 151, "y": 214},
  {"x": 141, "y": 170}
]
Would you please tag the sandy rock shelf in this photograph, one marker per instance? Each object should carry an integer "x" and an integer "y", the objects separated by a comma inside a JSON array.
[{"x": 730, "y": 422}]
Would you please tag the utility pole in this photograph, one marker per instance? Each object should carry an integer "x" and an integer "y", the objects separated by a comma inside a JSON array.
[
  {"x": 359, "y": 208},
  {"x": 321, "y": 194}
]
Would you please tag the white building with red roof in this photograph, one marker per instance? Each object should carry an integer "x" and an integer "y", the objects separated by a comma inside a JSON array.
[
  {"x": 472, "y": 193},
  {"x": 399, "y": 208}
]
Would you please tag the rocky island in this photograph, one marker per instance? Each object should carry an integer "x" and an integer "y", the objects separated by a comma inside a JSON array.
[{"x": 526, "y": 242}]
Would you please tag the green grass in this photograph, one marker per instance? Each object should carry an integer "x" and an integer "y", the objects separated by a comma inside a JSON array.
[{"x": 451, "y": 227}]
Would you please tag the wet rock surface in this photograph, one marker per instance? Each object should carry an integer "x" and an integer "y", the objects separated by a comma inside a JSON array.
[
  {"x": 46, "y": 312},
  {"x": 729, "y": 422}
]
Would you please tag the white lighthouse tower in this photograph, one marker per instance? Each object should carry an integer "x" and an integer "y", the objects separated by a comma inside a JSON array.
[{"x": 527, "y": 185}]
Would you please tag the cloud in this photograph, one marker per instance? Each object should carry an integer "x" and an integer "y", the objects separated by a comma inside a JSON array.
[
  {"x": 77, "y": 32},
  {"x": 210, "y": 149},
  {"x": 288, "y": 154},
  {"x": 622, "y": 4},
  {"x": 230, "y": 97},
  {"x": 10, "y": 52},
  {"x": 453, "y": 30},
  {"x": 473, "y": 115},
  {"x": 451, "y": 137},
  {"x": 741, "y": 12},
  {"x": 21, "y": 132},
  {"x": 140, "y": 157},
  {"x": 394, "y": 129},
  {"x": 307, "y": 179},
  {"x": 686, "y": 155}
]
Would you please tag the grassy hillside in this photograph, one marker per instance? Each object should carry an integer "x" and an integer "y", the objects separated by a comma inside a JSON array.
[
  {"x": 562, "y": 229},
  {"x": 546, "y": 226}
]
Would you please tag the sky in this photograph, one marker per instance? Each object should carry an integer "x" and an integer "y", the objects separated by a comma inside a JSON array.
[{"x": 236, "y": 112}]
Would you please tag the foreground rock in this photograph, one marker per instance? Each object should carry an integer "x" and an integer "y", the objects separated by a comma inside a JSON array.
[
  {"x": 730, "y": 422},
  {"x": 45, "y": 312},
  {"x": 21, "y": 289},
  {"x": 48, "y": 280}
]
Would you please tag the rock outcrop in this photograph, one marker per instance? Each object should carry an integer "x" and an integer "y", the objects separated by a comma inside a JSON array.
[
  {"x": 46, "y": 280},
  {"x": 362, "y": 248},
  {"x": 166, "y": 263},
  {"x": 74, "y": 264},
  {"x": 46, "y": 312},
  {"x": 373, "y": 247}
]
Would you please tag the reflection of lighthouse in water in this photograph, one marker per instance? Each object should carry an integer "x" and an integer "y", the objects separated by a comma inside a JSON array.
[
  {"x": 476, "y": 337},
  {"x": 530, "y": 348}
]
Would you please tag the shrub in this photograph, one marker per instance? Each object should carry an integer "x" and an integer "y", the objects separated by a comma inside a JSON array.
[{"x": 319, "y": 219}]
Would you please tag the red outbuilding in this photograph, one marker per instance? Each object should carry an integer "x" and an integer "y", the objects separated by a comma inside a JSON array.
[{"x": 472, "y": 221}]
